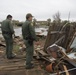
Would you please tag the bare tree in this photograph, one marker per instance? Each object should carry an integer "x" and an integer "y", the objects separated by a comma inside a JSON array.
[
  {"x": 56, "y": 17},
  {"x": 48, "y": 22}
]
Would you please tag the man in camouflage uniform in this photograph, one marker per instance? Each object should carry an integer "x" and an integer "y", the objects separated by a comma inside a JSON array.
[
  {"x": 29, "y": 37},
  {"x": 7, "y": 32}
]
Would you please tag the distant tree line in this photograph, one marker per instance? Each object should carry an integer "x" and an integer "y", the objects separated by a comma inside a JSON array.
[{"x": 56, "y": 20}]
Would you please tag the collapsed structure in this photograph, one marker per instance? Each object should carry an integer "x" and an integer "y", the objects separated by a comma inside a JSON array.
[
  {"x": 61, "y": 46},
  {"x": 58, "y": 53}
]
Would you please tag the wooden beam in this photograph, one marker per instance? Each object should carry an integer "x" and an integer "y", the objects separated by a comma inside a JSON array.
[
  {"x": 66, "y": 70},
  {"x": 1, "y": 44}
]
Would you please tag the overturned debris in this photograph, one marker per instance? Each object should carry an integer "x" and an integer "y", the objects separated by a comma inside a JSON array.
[
  {"x": 1, "y": 44},
  {"x": 52, "y": 56}
]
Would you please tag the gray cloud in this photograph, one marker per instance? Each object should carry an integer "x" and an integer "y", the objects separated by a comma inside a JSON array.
[{"x": 41, "y": 9}]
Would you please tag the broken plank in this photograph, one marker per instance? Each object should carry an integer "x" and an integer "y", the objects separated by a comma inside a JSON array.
[
  {"x": 66, "y": 70},
  {"x": 11, "y": 67},
  {"x": 55, "y": 32},
  {"x": 2, "y": 44},
  {"x": 42, "y": 53}
]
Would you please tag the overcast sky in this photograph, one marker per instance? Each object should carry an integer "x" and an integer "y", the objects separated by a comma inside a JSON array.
[{"x": 41, "y": 9}]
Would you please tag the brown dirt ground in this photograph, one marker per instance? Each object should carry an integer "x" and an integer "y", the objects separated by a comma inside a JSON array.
[{"x": 17, "y": 65}]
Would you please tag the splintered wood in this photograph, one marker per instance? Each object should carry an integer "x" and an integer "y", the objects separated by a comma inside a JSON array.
[{"x": 56, "y": 32}]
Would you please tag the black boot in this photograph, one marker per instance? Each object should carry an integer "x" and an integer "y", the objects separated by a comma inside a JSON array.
[{"x": 29, "y": 66}]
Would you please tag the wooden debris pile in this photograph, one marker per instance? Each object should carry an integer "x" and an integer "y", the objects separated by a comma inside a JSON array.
[
  {"x": 60, "y": 35},
  {"x": 62, "y": 38},
  {"x": 52, "y": 57}
]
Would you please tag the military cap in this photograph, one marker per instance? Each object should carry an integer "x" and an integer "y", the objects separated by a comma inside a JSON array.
[{"x": 29, "y": 15}]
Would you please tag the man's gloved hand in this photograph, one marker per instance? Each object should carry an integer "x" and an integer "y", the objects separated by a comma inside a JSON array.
[{"x": 13, "y": 35}]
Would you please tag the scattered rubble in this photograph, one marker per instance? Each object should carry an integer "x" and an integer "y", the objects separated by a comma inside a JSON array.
[{"x": 50, "y": 54}]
